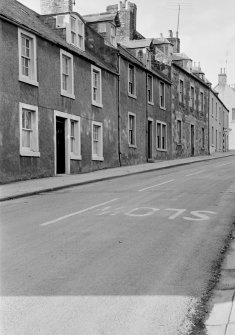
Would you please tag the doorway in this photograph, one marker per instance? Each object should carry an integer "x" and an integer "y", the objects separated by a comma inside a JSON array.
[
  {"x": 60, "y": 145},
  {"x": 192, "y": 140},
  {"x": 150, "y": 139}
]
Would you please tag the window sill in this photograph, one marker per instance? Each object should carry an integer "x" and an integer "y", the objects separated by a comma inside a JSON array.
[
  {"x": 163, "y": 150},
  {"x": 132, "y": 146},
  {"x": 28, "y": 81},
  {"x": 75, "y": 157},
  {"x": 97, "y": 104},
  {"x": 132, "y": 95},
  {"x": 163, "y": 108},
  {"x": 151, "y": 103},
  {"x": 67, "y": 95},
  {"x": 28, "y": 153},
  {"x": 97, "y": 158}
]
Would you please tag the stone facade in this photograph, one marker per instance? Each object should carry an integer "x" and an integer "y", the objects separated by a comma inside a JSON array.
[{"x": 56, "y": 6}]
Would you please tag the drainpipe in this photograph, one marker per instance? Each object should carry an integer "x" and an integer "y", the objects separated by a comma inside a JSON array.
[
  {"x": 118, "y": 108},
  {"x": 209, "y": 139},
  {"x": 146, "y": 106}
]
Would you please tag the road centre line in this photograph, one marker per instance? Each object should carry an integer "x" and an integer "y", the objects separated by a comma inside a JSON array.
[
  {"x": 193, "y": 174},
  {"x": 76, "y": 213},
  {"x": 165, "y": 182}
]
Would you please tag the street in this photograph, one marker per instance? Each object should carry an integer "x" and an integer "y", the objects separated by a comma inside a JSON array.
[{"x": 132, "y": 255}]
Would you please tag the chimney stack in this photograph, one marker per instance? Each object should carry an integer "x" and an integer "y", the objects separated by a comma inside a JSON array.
[
  {"x": 170, "y": 33},
  {"x": 56, "y": 6},
  {"x": 222, "y": 77}
]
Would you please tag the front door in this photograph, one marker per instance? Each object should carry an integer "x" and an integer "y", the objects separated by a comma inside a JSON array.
[
  {"x": 192, "y": 140},
  {"x": 150, "y": 139},
  {"x": 60, "y": 145}
]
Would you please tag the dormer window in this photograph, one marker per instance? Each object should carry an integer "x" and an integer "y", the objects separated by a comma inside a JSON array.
[
  {"x": 148, "y": 59},
  {"x": 77, "y": 32},
  {"x": 74, "y": 27},
  {"x": 102, "y": 27}
]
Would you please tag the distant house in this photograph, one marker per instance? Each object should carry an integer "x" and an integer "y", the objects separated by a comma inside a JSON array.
[{"x": 227, "y": 95}]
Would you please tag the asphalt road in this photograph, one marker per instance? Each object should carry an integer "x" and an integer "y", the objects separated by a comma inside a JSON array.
[{"x": 126, "y": 256}]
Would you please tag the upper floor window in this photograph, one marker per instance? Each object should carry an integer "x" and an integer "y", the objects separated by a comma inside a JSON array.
[
  {"x": 150, "y": 88},
  {"x": 113, "y": 35},
  {"x": 29, "y": 143},
  {"x": 67, "y": 75},
  {"x": 192, "y": 96},
  {"x": 148, "y": 59},
  {"x": 201, "y": 102},
  {"x": 27, "y": 57},
  {"x": 212, "y": 106},
  {"x": 131, "y": 80},
  {"x": 181, "y": 95},
  {"x": 216, "y": 110},
  {"x": 102, "y": 27},
  {"x": 162, "y": 95},
  {"x": 77, "y": 32},
  {"x": 96, "y": 86}
]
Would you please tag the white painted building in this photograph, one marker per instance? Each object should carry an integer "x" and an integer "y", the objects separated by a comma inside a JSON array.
[{"x": 227, "y": 95}]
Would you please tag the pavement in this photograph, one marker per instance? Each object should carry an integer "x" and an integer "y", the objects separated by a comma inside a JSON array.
[
  {"x": 221, "y": 318},
  {"x": 35, "y": 186}
]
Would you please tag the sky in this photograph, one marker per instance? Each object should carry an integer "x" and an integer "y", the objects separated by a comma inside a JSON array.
[{"x": 206, "y": 28}]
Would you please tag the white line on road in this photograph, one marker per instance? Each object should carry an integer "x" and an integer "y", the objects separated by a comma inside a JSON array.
[
  {"x": 224, "y": 164},
  {"x": 76, "y": 213},
  {"x": 165, "y": 182},
  {"x": 193, "y": 174}
]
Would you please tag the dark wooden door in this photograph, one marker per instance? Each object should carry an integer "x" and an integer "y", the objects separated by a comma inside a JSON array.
[
  {"x": 192, "y": 140},
  {"x": 60, "y": 145}
]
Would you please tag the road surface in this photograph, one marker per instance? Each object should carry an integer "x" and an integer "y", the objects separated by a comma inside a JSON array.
[{"x": 126, "y": 256}]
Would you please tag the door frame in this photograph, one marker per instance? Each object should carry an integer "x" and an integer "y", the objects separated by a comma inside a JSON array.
[
  {"x": 150, "y": 120},
  {"x": 66, "y": 132}
]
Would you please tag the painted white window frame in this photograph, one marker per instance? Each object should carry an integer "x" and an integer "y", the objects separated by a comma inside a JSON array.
[
  {"x": 161, "y": 147},
  {"x": 68, "y": 154},
  {"x": 113, "y": 39},
  {"x": 78, "y": 34},
  {"x": 32, "y": 77},
  {"x": 150, "y": 89},
  {"x": 97, "y": 102},
  {"x": 132, "y": 145},
  {"x": 66, "y": 93},
  {"x": 132, "y": 94},
  {"x": 33, "y": 151},
  {"x": 148, "y": 59},
  {"x": 100, "y": 156},
  {"x": 162, "y": 106}
]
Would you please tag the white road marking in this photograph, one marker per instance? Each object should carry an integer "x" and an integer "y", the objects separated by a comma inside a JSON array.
[
  {"x": 178, "y": 212},
  {"x": 165, "y": 182},
  {"x": 76, "y": 213},
  {"x": 143, "y": 211},
  {"x": 199, "y": 216},
  {"x": 224, "y": 164},
  {"x": 193, "y": 174}
]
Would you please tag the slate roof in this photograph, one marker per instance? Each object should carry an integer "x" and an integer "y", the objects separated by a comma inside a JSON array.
[
  {"x": 158, "y": 41},
  {"x": 180, "y": 56},
  {"x": 102, "y": 17},
  {"x": 136, "y": 44},
  {"x": 28, "y": 19}
]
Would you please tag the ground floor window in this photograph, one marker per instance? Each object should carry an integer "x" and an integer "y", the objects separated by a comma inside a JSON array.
[
  {"x": 75, "y": 138},
  {"x": 29, "y": 142},
  {"x": 97, "y": 141},
  {"x": 203, "y": 138},
  {"x": 131, "y": 130},
  {"x": 179, "y": 130},
  {"x": 161, "y": 135}
]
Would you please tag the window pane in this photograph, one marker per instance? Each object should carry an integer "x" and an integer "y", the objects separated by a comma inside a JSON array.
[
  {"x": 26, "y": 138},
  {"x": 163, "y": 136},
  {"x": 159, "y": 135}
]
